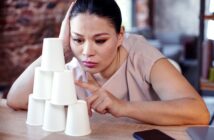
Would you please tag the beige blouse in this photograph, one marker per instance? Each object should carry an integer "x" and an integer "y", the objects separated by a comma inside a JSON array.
[{"x": 132, "y": 80}]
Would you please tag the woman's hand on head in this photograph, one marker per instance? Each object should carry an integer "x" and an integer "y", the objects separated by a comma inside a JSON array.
[
  {"x": 101, "y": 100},
  {"x": 65, "y": 34}
]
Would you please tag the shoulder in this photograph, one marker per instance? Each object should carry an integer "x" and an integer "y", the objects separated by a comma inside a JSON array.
[
  {"x": 141, "y": 55},
  {"x": 131, "y": 36},
  {"x": 134, "y": 42},
  {"x": 137, "y": 45}
]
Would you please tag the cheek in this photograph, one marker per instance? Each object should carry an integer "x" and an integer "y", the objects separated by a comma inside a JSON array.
[
  {"x": 109, "y": 53},
  {"x": 76, "y": 50}
]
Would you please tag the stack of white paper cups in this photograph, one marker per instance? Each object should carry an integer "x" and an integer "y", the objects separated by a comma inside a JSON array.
[
  {"x": 52, "y": 61},
  {"x": 53, "y": 89}
]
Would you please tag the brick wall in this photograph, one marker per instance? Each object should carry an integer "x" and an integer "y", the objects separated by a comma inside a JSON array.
[{"x": 23, "y": 25}]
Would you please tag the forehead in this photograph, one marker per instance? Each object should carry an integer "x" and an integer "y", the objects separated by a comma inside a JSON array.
[{"x": 90, "y": 22}]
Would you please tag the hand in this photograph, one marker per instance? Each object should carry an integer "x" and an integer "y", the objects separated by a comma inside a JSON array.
[
  {"x": 101, "y": 100},
  {"x": 65, "y": 34}
]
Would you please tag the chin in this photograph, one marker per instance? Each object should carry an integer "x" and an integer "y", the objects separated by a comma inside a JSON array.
[{"x": 90, "y": 70}]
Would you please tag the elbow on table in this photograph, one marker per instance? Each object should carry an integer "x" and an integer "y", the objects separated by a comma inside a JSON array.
[
  {"x": 13, "y": 103},
  {"x": 204, "y": 118},
  {"x": 201, "y": 117}
]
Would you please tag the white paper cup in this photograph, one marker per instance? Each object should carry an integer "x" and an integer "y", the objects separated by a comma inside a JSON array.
[
  {"x": 54, "y": 118},
  {"x": 63, "y": 91},
  {"x": 52, "y": 55},
  {"x": 35, "y": 113},
  {"x": 78, "y": 120},
  {"x": 42, "y": 86}
]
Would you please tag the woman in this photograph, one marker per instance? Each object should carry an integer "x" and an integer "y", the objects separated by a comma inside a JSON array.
[{"x": 117, "y": 73}]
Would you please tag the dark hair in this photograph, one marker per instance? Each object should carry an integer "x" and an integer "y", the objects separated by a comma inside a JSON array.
[{"x": 102, "y": 8}]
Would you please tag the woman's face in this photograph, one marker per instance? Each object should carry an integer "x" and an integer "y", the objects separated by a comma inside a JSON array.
[{"x": 94, "y": 42}]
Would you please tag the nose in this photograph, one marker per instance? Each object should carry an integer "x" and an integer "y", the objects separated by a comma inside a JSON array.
[{"x": 88, "y": 49}]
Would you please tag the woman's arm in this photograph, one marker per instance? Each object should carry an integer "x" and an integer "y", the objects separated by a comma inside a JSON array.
[
  {"x": 180, "y": 103},
  {"x": 23, "y": 86},
  {"x": 18, "y": 95}
]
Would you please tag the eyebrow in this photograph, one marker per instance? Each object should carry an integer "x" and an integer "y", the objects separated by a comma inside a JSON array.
[{"x": 96, "y": 35}]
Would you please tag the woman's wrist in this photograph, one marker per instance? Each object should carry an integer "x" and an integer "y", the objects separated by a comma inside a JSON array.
[{"x": 127, "y": 107}]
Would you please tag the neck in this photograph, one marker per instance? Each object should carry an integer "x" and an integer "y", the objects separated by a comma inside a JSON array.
[{"x": 113, "y": 67}]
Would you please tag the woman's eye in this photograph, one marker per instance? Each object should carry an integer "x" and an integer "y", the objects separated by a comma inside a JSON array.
[
  {"x": 79, "y": 41},
  {"x": 100, "y": 41}
]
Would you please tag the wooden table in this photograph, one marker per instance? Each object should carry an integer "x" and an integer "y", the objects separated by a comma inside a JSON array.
[{"x": 104, "y": 127}]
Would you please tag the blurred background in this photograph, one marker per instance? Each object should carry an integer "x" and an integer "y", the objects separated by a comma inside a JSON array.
[{"x": 172, "y": 26}]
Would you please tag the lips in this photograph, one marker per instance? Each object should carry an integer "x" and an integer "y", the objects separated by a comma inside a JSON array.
[{"x": 89, "y": 64}]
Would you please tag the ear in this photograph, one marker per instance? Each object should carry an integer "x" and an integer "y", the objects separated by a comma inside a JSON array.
[{"x": 121, "y": 36}]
